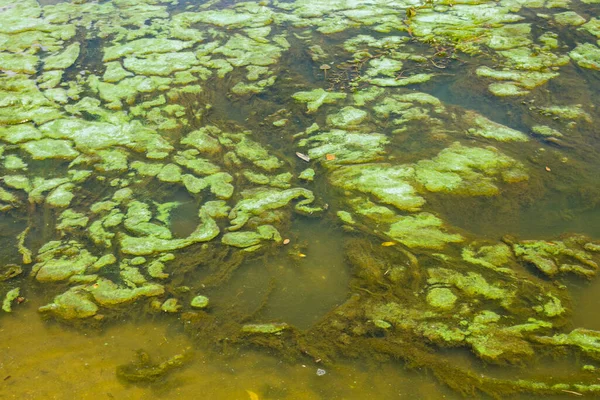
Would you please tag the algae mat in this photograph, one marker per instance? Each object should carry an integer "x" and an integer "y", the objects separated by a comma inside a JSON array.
[{"x": 325, "y": 182}]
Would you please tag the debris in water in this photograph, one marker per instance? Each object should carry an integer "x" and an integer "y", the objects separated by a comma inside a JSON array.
[
  {"x": 321, "y": 372},
  {"x": 252, "y": 395},
  {"x": 303, "y": 157}
]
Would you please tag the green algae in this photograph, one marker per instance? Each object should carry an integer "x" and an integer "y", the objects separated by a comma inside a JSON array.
[
  {"x": 108, "y": 293},
  {"x": 524, "y": 79},
  {"x": 348, "y": 147},
  {"x": 395, "y": 200},
  {"x": 569, "y": 18},
  {"x": 261, "y": 200},
  {"x": 347, "y": 118},
  {"x": 63, "y": 60},
  {"x": 441, "y": 298},
  {"x": 163, "y": 64},
  {"x": 62, "y": 262},
  {"x": 273, "y": 328},
  {"x": 555, "y": 257},
  {"x": 468, "y": 170},
  {"x": 422, "y": 230},
  {"x": 10, "y": 296},
  {"x": 587, "y": 55},
  {"x": 492, "y": 130},
  {"x": 388, "y": 184},
  {"x": 74, "y": 304},
  {"x": 316, "y": 98},
  {"x": 199, "y": 302}
]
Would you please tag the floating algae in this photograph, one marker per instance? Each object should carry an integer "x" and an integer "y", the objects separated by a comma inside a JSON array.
[{"x": 202, "y": 108}]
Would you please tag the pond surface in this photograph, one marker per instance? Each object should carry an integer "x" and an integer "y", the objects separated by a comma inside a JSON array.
[{"x": 299, "y": 199}]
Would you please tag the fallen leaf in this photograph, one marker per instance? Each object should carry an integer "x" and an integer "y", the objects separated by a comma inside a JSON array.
[
  {"x": 301, "y": 255},
  {"x": 548, "y": 169},
  {"x": 286, "y": 241},
  {"x": 388, "y": 244},
  {"x": 253, "y": 396}
]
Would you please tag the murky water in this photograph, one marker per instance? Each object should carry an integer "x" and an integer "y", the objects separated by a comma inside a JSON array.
[{"x": 376, "y": 199}]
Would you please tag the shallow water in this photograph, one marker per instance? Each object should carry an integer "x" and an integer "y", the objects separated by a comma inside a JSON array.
[{"x": 354, "y": 295}]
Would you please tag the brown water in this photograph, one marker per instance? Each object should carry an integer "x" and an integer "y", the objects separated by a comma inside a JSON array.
[
  {"x": 46, "y": 360},
  {"x": 310, "y": 282}
]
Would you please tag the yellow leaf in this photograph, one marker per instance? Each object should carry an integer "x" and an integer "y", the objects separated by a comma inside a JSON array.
[
  {"x": 388, "y": 244},
  {"x": 253, "y": 396}
]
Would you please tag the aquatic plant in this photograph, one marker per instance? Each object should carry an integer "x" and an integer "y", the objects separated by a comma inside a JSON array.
[{"x": 204, "y": 106}]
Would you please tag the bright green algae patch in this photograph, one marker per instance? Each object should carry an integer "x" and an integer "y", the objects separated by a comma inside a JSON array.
[{"x": 174, "y": 158}]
